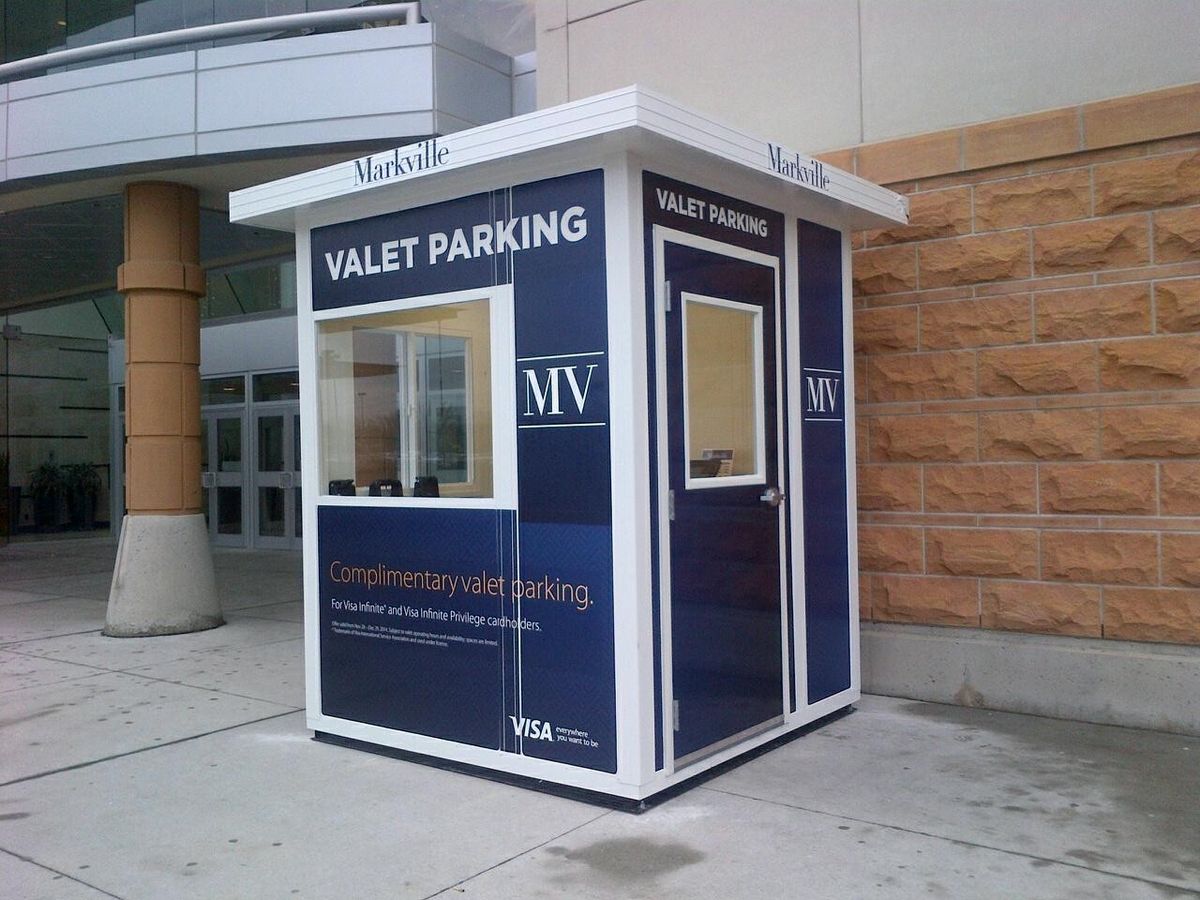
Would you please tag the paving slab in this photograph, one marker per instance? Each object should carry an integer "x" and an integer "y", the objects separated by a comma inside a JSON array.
[
  {"x": 19, "y": 671},
  {"x": 272, "y": 672},
  {"x": 29, "y": 881},
  {"x": 707, "y": 844},
  {"x": 1114, "y": 799},
  {"x": 291, "y": 611},
  {"x": 263, "y": 811},
  {"x": 54, "y": 726},
  {"x": 90, "y": 585},
  {"x": 9, "y": 597},
  {"x": 121, "y": 654},
  {"x": 50, "y": 617}
]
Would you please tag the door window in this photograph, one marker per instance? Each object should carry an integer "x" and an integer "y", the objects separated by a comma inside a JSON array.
[{"x": 723, "y": 396}]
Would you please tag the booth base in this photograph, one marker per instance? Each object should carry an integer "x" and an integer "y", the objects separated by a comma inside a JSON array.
[{"x": 595, "y": 798}]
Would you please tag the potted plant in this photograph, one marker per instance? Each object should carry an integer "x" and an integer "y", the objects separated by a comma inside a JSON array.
[
  {"x": 81, "y": 483},
  {"x": 46, "y": 488}
]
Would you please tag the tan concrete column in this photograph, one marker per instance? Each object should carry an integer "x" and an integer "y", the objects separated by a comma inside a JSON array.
[{"x": 163, "y": 582}]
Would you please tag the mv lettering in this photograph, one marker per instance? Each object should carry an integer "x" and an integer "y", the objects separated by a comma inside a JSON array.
[
  {"x": 821, "y": 394},
  {"x": 544, "y": 397}
]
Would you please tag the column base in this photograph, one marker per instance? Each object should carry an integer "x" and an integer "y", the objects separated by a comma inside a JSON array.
[{"x": 163, "y": 582}]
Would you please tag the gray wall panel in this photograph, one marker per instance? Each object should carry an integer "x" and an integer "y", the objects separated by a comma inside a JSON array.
[
  {"x": 118, "y": 112},
  {"x": 939, "y": 63},
  {"x": 395, "y": 127},
  {"x": 93, "y": 157},
  {"x": 468, "y": 90},
  {"x": 374, "y": 84},
  {"x": 93, "y": 76},
  {"x": 324, "y": 87}
]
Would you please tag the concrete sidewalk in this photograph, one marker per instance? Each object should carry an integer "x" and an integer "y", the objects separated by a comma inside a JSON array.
[{"x": 180, "y": 766}]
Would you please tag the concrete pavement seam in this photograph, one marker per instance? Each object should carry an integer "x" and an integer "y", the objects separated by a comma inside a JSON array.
[
  {"x": 200, "y": 687},
  {"x": 941, "y": 837},
  {"x": 69, "y": 877},
  {"x": 182, "y": 740},
  {"x": 6, "y": 644},
  {"x": 525, "y": 852}
]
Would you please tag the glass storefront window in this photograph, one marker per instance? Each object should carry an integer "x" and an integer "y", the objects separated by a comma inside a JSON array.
[
  {"x": 405, "y": 402},
  {"x": 256, "y": 288},
  {"x": 276, "y": 386},
  {"x": 220, "y": 391}
]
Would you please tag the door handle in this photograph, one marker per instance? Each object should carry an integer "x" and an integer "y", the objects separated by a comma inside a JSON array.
[
  {"x": 772, "y": 496},
  {"x": 286, "y": 480},
  {"x": 208, "y": 479}
]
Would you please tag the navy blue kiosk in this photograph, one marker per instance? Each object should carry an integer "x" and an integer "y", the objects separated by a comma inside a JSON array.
[{"x": 578, "y": 443}]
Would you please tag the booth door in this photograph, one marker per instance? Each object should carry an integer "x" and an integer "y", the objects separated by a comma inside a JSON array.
[{"x": 724, "y": 502}]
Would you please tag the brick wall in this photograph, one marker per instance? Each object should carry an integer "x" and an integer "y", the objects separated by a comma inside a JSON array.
[{"x": 1028, "y": 374}]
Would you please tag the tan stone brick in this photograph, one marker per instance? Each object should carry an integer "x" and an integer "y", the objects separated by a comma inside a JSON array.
[
  {"x": 884, "y": 270},
  {"x": 927, "y": 601},
  {"x": 1179, "y": 488},
  {"x": 860, "y": 379},
  {"x": 973, "y": 259},
  {"x": 1095, "y": 244},
  {"x": 841, "y": 159},
  {"x": 1051, "y": 369},
  {"x": 1146, "y": 183},
  {"x": 1041, "y": 608},
  {"x": 981, "y": 488},
  {"x": 889, "y": 488},
  {"x": 931, "y": 214},
  {"x": 976, "y": 323},
  {"x": 1100, "y": 557},
  {"x": 862, "y": 438},
  {"x": 986, "y": 552},
  {"x": 924, "y": 438},
  {"x": 1102, "y": 488},
  {"x": 1152, "y": 614},
  {"x": 1119, "y": 310},
  {"x": 1177, "y": 304},
  {"x": 882, "y": 548},
  {"x": 1181, "y": 560},
  {"x": 1151, "y": 431},
  {"x": 913, "y": 157},
  {"x": 864, "y": 598},
  {"x": 1021, "y": 138},
  {"x": 1142, "y": 117},
  {"x": 1150, "y": 364},
  {"x": 1177, "y": 235},
  {"x": 886, "y": 329},
  {"x": 1034, "y": 200},
  {"x": 1056, "y": 434},
  {"x": 921, "y": 376}
]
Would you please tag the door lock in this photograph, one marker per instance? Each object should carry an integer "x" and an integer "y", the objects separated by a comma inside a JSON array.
[{"x": 772, "y": 496}]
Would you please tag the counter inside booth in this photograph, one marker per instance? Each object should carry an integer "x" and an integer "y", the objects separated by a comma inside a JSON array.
[{"x": 577, "y": 467}]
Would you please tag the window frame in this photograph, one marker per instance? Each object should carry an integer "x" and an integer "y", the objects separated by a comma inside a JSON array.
[
  {"x": 759, "y": 475},
  {"x": 503, "y": 398}
]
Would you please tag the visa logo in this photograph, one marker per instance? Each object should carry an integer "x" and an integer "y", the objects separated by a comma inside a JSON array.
[{"x": 534, "y": 729}]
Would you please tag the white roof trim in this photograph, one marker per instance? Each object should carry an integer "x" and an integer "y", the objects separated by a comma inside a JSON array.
[{"x": 273, "y": 204}]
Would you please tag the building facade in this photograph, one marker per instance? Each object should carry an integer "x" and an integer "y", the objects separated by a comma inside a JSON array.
[{"x": 1028, "y": 348}]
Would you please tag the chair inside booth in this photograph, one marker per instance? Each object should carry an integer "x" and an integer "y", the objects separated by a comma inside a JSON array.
[{"x": 405, "y": 402}]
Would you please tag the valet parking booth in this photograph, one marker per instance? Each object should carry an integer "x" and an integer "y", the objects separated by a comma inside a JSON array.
[{"x": 577, "y": 443}]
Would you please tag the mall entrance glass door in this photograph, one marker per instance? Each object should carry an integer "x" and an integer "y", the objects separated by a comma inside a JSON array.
[
  {"x": 276, "y": 418},
  {"x": 222, "y": 450}
]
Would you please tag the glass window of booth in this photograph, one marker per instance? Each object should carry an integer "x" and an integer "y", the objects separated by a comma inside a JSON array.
[{"x": 405, "y": 402}]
